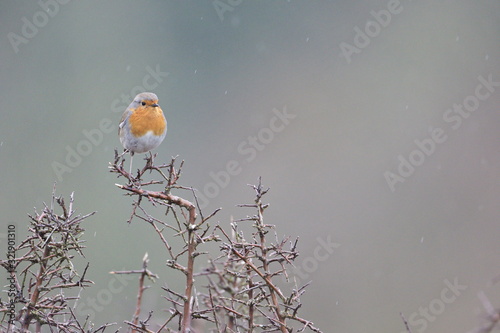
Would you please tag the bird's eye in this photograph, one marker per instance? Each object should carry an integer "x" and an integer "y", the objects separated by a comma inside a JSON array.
[{"x": 143, "y": 103}]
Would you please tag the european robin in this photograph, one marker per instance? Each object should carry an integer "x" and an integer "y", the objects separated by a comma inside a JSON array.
[{"x": 143, "y": 125}]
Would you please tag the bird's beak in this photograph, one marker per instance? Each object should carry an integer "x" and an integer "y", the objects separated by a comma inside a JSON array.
[{"x": 154, "y": 105}]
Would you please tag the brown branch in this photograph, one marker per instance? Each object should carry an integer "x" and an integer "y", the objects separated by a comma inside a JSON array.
[
  {"x": 186, "y": 316},
  {"x": 143, "y": 273},
  {"x": 39, "y": 280},
  {"x": 251, "y": 306},
  {"x": 47, "y": 266},
  {"x": 242, "y": 292},
  {"x": 171, "y": 199},
  {"x": 265, "y": 265},
  {"x": 191, "y": 228},
  {"x": 141, "y": 289}
]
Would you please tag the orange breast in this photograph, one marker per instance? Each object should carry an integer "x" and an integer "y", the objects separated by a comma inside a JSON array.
[{"x": 145, "y": 119}]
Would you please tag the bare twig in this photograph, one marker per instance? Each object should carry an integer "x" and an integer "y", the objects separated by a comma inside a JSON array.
[
  {"x": 189, "y": 227},
  {"x": 242, "y": 295},
  {"x": 46, "y": 270},
  {"x": 407, "y": 326}
]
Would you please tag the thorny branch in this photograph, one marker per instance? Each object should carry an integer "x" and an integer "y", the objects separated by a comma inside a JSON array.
[
  {"x": 144, "y": 272},
  {"x": 242, "y": 284},
  {"x": 44, "y": 271},
  {"x": 193, "y": 230},
  {"x": 241, "y": 294}
]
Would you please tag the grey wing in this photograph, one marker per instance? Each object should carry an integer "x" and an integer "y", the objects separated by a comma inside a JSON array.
[{"x": 125, "y": 117}]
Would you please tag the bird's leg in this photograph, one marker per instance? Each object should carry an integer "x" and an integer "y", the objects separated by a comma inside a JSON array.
[{"x": 131, "y": 157}]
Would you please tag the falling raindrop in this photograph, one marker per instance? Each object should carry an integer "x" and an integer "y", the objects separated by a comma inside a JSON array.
[{"x": 422, "y": 240}]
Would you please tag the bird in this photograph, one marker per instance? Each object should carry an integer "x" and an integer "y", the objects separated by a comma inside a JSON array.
[{"x": 143, "y": 125}]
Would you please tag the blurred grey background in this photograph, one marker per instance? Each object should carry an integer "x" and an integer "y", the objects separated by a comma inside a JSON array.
[{"x": 359, "y": 86}]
